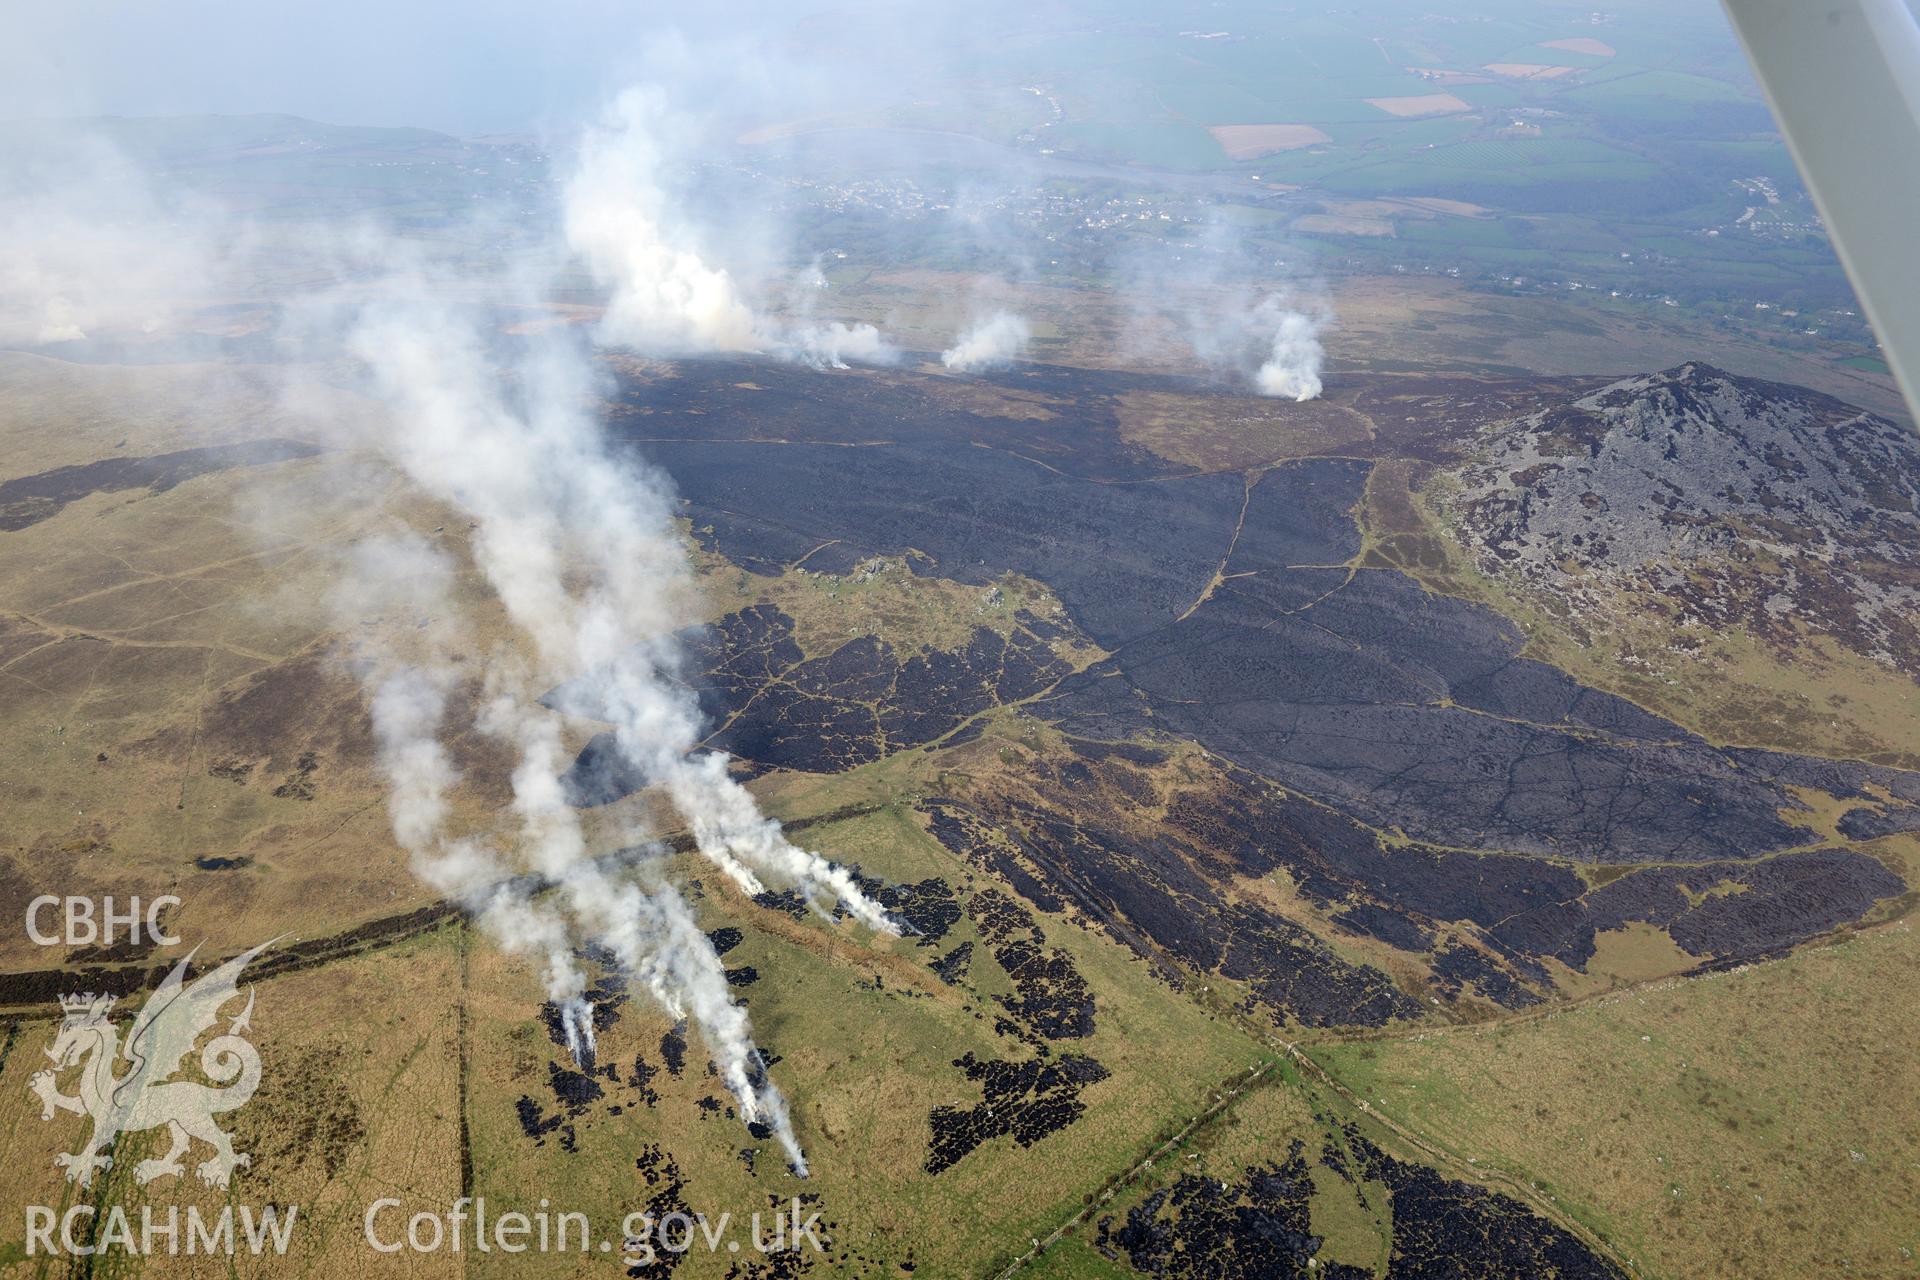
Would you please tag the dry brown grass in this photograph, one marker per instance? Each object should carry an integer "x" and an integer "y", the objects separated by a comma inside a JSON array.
[
  {"x": 1420, "y": 104},
  {"x": 358, "y": 1100},
  {"x": 1225, "y": 434},
  {"x": 1581, "y": 44},
  {"x": 885, "y": 598},
  {"x": 1527, "y": 70},
  {"x": 1251, "y": 141},
  {"x": 169, "y": 658},
  {"x": 1335, "y": 224},
  {"x": 155, "y": 639}
]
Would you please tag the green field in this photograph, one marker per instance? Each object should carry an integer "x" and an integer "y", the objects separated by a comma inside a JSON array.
[{"x": 1710, "y": 1126}]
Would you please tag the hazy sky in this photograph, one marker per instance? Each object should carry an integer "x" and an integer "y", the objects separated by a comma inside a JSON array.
[
  {"x": 468, "y": 67},
  {"x": 477, "y": 66},
  {"x": 492, "y": 65}
]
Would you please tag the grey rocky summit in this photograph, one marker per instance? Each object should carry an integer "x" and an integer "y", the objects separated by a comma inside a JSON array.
[{"x": 1745, "y": 502}]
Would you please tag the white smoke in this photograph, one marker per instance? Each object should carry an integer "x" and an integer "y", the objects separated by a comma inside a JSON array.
[
  {"x": 837, "y": 345},
  {"x": 410, "y": 686},
  {"x": 991, "y": 343},
  {"x": 1274, "y": 345},
  {"x": 665, "y": 296},
  {"x": 1292, "y": 367},
  {"x": 651, "y": 932},
  {"x": 1200, "y": 292},
  {"x": 576, "y": 1024},
  {"x": 588, "y": 584},
  {"x": 79, "y": 253},
  {"x": 621, "y": 219},
  {"x": 579, "y": 548}
]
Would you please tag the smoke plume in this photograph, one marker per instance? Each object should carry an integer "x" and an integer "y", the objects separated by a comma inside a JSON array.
[
  {"x": 836, "y": 345},
  {"x": 665, "y": 296},
  {"x": 1292, "y": 367},
  {"x": 79, "y": 249},
  {"x": 578, "y": 547},
  {"x": 991, "y": 343},
  {"x": 621, "y": 219}
]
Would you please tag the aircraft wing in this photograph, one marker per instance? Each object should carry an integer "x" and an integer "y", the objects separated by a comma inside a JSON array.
[{"x": 1843, "y": 77}]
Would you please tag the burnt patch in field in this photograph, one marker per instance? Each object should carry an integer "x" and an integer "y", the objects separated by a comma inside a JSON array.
[
  {"x": 640, "y": 1080},
  {"x": 1873, "y": 824},
  {"x": 952, "y": 967},
  {"x": 302, "y": 1113},
  {"x": 604, "y": 998},
  {"x": 743, "y": 651},
  {"x": 27, "y": 500},
  {"x": 1395, "y": 928},
  {"x": 1123, "y": 556},
  {"x": 574, "y": 1090},
  {"x": 1162, "y": 886},
  {"x": 1446, "y": 1228},
  {"x": 1455, "y": 966},
  {"x": 664, "y": 1190},
  {"x": 673, "y": 1048},
  {"x": 744, "y": 402},
  {"x": 1434, "y": 419},
  {"x": 298, "y": 784},
  {"x": 1336, "y": 860},
  {"x": 1026, "y": 1100},
  {"x": 979, "y": 842},
  {"x": 927, "y": 907},
  {"x": 536, "y": 1124},
  {"x": 1260, "y": 1225},
  {"x": 1843, "y": 779},
  {"x": 787, "y": 902},
  {"x": 1051, "y": 1000},
  {"x": 1204, "y": 1229},
  {"x": 578, "y": 1082},
  {"x": 1236, "y": 618},
  {"x": 1290, "y": 970}
]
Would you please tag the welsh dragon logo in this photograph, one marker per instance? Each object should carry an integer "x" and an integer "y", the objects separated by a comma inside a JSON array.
[{"x": 146, "y": 1096}]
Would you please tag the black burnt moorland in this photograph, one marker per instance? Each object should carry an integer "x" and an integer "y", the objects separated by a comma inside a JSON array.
[{"x": 1229, "y": 602}]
